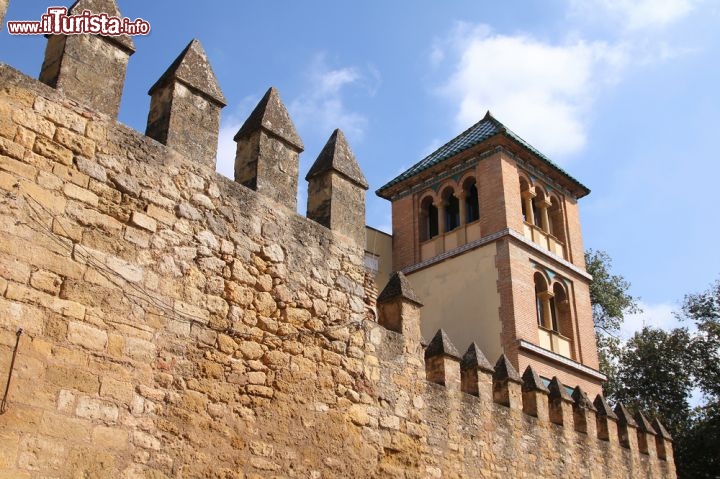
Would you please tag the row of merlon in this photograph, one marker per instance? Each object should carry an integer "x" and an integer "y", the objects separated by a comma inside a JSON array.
[
  {"x": 184, "y": 115},
  {"x": 398, "y": 310}
]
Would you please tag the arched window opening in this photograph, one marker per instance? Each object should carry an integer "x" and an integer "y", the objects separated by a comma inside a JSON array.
[
  {"x": 537, "y": 206},
  {"x": 536, "y": 214},
  {"x": 562, "y": 311},
  {"x": 452, "y": 210},
  {"x": 541, "y": 295},
  {"x": 554, "y": 315},
  {"x": 428, "y": 219},
  {"x": 524, "y": 195},
  {"x": 557, "y": 221},
  {"x": 433, "y": 228},
  {"x": 472, "y": 206}
]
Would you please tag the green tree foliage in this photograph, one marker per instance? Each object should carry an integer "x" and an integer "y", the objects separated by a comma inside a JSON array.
[
  {"x": 662, "y": 372},
  {"x": 611, "y": 302},
  {"x": 658, "y": 372},
  {"x": 652, "y": 375},
  {"x": 704, "y": 310},
  {"x": 697, "y": 451},
  {"x": 698, "y": 447}
]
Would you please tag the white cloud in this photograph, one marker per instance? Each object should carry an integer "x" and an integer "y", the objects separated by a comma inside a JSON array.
[
  {"x": 635, "y": 15},
  {"x": 659, "y": 315},
  {"x": 542, "y": 91},
  {"x": 323, "y": 107},
  {"x": 437, "y": 55}
]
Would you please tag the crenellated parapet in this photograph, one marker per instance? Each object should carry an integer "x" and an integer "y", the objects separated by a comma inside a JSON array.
[
  {"x": 646, "y": 434},
  {"x": 507, "y": 384},
  {"x": 476, "y": 373},
  {"x": 336, "y": 189},
  {"x": 535, "y": 395},
  {"x": 442, "y": 361},
  {"x": 89, "y": 69},
  {"x": 268, "y": 151},
  {"x": 584, "y": 413},
  {"x": 627, "y": 428},
  {"x": 663, "y": 441},
  {"x": 607, "y": 428},
  {"x": 613, "y": 443},
  {"x": 561, "y": 404},
  {"x": 165, "y": 309},
  {"x": 185, "y": 106},
  {"x": 399, "y": 311},
  {"x": 184, "y": 115}
]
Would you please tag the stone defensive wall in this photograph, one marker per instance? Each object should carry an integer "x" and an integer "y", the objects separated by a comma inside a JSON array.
[{"x": 158, "y": 320}]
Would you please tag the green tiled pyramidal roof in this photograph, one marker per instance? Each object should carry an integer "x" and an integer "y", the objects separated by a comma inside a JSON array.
[{"x": 486, "y": 128}]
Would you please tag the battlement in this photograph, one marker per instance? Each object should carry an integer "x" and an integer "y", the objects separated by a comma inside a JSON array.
[
  {"x": 560, "y": 418},
  {"x": 180, "y": 324}
]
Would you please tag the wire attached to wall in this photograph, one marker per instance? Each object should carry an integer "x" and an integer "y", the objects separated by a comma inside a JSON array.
[{"x": 3, "y": 404}]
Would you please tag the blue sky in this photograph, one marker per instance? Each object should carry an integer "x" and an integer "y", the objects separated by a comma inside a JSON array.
[{"x": 622, "y": 94}]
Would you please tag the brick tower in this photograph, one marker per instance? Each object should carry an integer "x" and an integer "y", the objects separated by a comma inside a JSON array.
[{"x": 487, "y": 231}]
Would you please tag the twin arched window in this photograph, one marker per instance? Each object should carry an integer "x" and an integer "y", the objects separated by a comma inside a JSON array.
[
  {"x": 552, "y": 306},
  {"x": 542, "y": 210},
  {"x": 455, "y": 208}
]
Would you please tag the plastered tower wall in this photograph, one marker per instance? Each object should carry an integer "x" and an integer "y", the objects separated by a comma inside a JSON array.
[
  {"x": 178, "y": 324},
  {"x": 466, "y": 317}
]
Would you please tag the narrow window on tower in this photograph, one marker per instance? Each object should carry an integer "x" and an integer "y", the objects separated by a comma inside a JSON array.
[
  {"x": 539, "y": 310},
  {"x": 541, "y": 297},
  {"x": 537, "y": 215},
  {"x": 525, "y": 200},
  {"x": 472, "y": 206},
  {"x": 433, "y": 221},
  {"x": 557, "y": 221},
  {"x": 563, "y": 319},
  {"x": 452, "y": 210},
  {"x": 428, "y": 219},
  {"x": 553, "y": 313}
]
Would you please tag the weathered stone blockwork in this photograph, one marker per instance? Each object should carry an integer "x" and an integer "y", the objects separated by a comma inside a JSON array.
[
  {"x": 178, "y": 324},
  {"x": 3, "y": 9}
]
